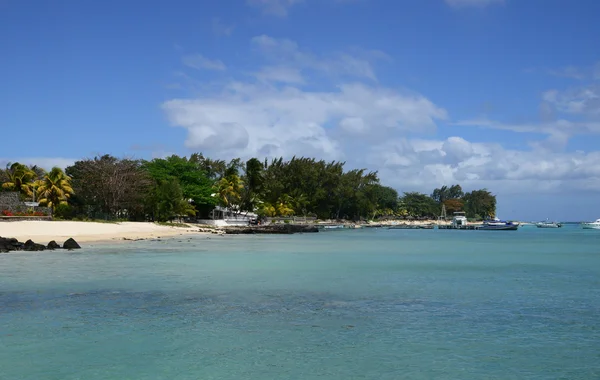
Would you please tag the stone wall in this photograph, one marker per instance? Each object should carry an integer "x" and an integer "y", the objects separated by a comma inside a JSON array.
[{"x": 9, "y": 201}]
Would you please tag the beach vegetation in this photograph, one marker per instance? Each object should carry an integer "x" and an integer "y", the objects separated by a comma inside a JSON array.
[
  {"x": 54, "y": 189},
  {"x": 183, "y": 188}
]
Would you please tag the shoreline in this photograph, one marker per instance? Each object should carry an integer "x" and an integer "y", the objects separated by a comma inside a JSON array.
[{"x": 92, "y": 232}]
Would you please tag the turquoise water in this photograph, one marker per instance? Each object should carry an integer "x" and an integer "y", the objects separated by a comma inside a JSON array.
[{"x": 379, "y": 304}]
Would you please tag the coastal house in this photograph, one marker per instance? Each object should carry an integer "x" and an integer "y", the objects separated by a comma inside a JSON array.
[
  {"x": 223, "y": 216},
  {"x": 13, "y": 208}
]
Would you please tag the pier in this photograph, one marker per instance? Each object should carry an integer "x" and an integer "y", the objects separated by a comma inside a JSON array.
[{"x": 458, "y": 227}]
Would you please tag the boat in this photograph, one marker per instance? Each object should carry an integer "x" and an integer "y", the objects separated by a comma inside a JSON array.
[
  {"x": 591, "y": 225},
  {"x": 459, "y": 220},
  {"x": 548, "y": 224},
  {"x": 498, "y": 225},
  {"x": 333, "y": 227}
]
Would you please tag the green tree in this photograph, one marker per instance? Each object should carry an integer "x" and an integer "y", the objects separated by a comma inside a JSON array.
[
  {"x": 480, "y": 203},
  {"x": 194, "y": 182},
  {"x": 19, "y": 177},
  {"x": 419, "y": 205},
  {"x": 166, "y": 201},
  {"x": 54, "y": 189}
]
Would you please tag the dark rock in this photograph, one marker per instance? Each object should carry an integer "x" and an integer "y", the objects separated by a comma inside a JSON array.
[
  {"x": 71, "y": 244},
  {"x": 32, "y": 247},
  {"x": 53, "y": 245}
]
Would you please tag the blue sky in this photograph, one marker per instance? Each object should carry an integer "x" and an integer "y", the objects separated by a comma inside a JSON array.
[{"x": 486, "y": 93}]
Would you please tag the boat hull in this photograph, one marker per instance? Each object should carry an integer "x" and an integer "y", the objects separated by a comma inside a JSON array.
[
  {"x": 548, "y": 225},
  {"x": 590, "y": 226},
  {"x": 499, "y": 228}
]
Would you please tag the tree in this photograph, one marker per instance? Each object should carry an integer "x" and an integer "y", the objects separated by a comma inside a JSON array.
[
  {"x": 195, "y": 184},
  {"x": 444, "y": 193},
  {"x": 166, "y": 201},
  {"x": 480, "y": 204},
  {"x": 420, "y": 205},
  {"x": 54, "y": 189},
  {"x": 112, "y": 187},
  {"x": 18, "y": 177},
  {"x": 254, "y": 180},
  {"x": 453, "y": 205},
  {"x": 229, "y": 190}
]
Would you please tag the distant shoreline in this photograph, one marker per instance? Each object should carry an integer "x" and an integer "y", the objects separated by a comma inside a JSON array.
[{"x": 91, "y": 232}]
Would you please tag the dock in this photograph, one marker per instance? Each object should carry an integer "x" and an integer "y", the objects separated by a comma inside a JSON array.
[
  {"x": 458, "y": 227},
  {"x": 411, "y": 227}
]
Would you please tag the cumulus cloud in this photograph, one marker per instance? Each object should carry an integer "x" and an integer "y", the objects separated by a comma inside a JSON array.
[
  {"x": 347, "y": 115},
  {"x": 247, "y": 119}
]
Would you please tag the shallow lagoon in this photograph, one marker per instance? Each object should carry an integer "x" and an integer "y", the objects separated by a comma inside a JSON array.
[{"x": 366, "y": 304}]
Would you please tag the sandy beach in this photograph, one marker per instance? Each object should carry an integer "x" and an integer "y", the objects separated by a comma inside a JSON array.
[{"x": 45, "y": 231}]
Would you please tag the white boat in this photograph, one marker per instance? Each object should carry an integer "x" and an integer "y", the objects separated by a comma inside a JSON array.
[
  {"x": 333, "y": 227},
  {"x": 459, "y": 220},
  {"x": 548, "y": 224},
  {"x": 591, "y": 225},
  {"x": 498, "y": 225}
]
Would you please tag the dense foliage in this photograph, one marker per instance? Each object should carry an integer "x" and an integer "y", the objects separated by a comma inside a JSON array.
[{"x": 106, "y": 187}]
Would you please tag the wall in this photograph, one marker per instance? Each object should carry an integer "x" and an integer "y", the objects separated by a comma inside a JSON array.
[{"x": 9, "y": 201}]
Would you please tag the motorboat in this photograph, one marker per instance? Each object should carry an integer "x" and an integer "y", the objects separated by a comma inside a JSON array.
[
  {"x": 498, "y": 225},
  {"x": 548, "y": 224},
  {"x": 459, "y": 220},
  {"x": 591, "y": 225}
]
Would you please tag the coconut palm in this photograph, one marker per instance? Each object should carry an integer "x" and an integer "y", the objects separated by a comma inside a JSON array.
[
  {"x": 229, "y": 190},
  {"x": 19, "y": 178},
  {"x": 54, "y": 189}
]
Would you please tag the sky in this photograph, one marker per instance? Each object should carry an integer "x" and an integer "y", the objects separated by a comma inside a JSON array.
[{"x": 496, "y": 94}]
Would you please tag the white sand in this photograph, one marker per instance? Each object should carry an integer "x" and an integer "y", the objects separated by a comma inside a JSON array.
[{"x": 44, "y": 231}]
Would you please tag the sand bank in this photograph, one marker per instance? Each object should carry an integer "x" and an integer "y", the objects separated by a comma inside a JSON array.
[{"x": 45, "y": 231}]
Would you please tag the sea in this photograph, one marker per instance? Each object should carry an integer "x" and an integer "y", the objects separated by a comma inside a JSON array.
[{"x": 340, "y": 304}]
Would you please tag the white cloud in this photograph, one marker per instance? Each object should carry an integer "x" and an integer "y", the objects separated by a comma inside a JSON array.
[
  {"x": 279, "y": 8},
  {"x": 261, "y": 120},
  {"x": 472, "y": 3},
  {"x": 291, "y": 110},
  {"x": 199, "y": 62}
]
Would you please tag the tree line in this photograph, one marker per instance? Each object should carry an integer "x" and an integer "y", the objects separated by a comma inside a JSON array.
[{"x": 107, "y": 187}]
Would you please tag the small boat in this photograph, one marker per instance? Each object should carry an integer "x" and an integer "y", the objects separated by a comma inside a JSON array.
[
  {"x": 591, "y": 225},
  {"x": 333, "y": 227},
  {"x": 498, "y": 225},
  {"x": 548, "y": 224}
]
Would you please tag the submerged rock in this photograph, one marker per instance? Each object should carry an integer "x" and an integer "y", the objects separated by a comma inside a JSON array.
[{"x": 71, "y": 244}]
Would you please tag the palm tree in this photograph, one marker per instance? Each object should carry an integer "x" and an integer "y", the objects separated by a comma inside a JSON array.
[
  {"x": 19, "y": 178},
  {"x": 54, "y": 189},
  {"x": 229, "y": 190}
]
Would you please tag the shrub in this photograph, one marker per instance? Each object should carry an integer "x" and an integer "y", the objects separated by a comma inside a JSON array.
[
  {"x": 63, "y": 211},
  {"x": 7, "y": 213}
]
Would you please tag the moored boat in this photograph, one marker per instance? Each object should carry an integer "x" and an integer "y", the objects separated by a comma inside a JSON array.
[
  {"x": 548, "y": 224},
  {"x": 498, "y": 225},
  {"x": 591, "y": 225}
]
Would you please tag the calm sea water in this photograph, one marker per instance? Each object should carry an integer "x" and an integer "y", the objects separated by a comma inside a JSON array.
[{"x": 379, "y": 304}]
